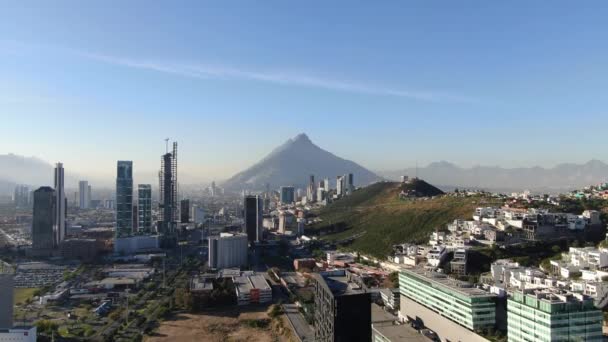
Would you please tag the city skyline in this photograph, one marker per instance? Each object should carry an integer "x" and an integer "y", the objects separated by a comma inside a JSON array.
[{"x": 426, "y": 83}]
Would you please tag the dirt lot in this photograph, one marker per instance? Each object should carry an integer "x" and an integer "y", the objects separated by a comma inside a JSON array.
[{"x": 229, "y": 325}]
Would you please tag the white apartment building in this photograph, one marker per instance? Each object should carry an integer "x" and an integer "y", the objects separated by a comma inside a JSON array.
[
  {"x": 436, "y": 255},
  {"x": 228, "y": 250}
]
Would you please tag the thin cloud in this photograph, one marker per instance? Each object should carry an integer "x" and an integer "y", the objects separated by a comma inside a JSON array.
[{"x": 283, "y": 78}]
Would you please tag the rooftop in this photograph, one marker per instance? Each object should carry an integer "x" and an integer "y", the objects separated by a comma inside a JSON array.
[
  {"x": 201, "y": 284},
  {"x": 398, "y": 332},
  {"x": 338, "y": 284},
  {"x": 442, "y": 280},
  {"x": 245, "y": 283}
]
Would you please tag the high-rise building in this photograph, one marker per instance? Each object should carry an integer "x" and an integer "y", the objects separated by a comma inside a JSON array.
[
  {"x": 184, "y": 212},
  {"x": 227, "y": 250},
  {"x": 253, "y": 217},
  {"x": 84, "y": 194},
  {"x": 343, "y": 311},
  {"x": 326, "y": 185},
  {"x": 124, "y": 198},
  {"x": 135, "y": 218},
  {"x": 21, "y": 196},
  {"x": 340, "y": 186},
  {"x": 61, "y": 203},
  {"x": 310, "y": 190},
  {"x": 552, "y": 315},
  {"x": 348, "y": 185},
  {"x": 6, "y": 297},
  {"x": 144, "y": 207},
  {"x": 198, "y": 214},
  {"x": 43, "y": 220},
  {"x": 168, "y": 192},
  {"x": 288, "y": 194}
]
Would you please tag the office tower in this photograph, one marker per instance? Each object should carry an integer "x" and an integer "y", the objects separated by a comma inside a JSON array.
[
  {"x": 213, "y": 189},
  {"x": 342, "y": 312},
  {"x": 326, "y": 185},
  {"x": 552, "y": 315},
  {"x": 198, "y": 215},
  {"x": 144, "y": 207},
  {"x": 253, "y": 217},
  {"x": 320, "y": 194},
  {"x": 349, "y": 186},
  {"x": 21, "y": 197},
  {"x": 339, "y": 186},
  {"x": 43, "y": 218},
  {"x": 89, "y": 194},
  {"x": 124, "y": 198},
  {"x": 184, "y": 212},
  {"x": 6, "y": 297},
  {"x": 135, "y": 218},
  {"x": 61, "y": 204},
  {"x": 287, "y": 195},
  {"x": 227, "y": 250},
  {"x": 310, "y": 190},
  {"x": 84, "y": 194},
  {"x": 168, "y": 191}
]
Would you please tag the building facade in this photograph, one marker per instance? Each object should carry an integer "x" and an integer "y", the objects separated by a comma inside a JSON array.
[
  {"x": 144, "y": 207},
  {"x": 552, "y": 315},
  {"x": 253, "y": 211},
  {"x": 184, "y": 212},
  {"x": 124, "y": 198},
  {"x": 227, "y": 250},
  {"x": 43, "y": 220},
  {"x": 288, "y": 195},
  {"x": 84, "y": 195},
  {"x": 168, "y": 192}
]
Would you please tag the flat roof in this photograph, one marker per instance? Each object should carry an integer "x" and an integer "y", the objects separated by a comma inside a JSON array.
[
  {"x": 442, "y": 280},
  {"x": 245, "y": 283},
  {"x": 338, "y": 285},
  {"x": 202, "y": 284},
  {"x": 379, "y": 315},
  {"x": 401, "y": 332}
]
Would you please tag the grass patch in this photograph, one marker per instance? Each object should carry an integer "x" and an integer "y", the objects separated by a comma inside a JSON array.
[
  {"x": 21, "y": 295},
  {"x": 381, "y": 219}
]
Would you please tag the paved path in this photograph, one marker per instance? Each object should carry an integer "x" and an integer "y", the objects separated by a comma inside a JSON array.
[{"x": 298, "y": 323}]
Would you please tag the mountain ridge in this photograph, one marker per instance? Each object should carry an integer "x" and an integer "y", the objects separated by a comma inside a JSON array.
[{"x": 561, "y": 177}]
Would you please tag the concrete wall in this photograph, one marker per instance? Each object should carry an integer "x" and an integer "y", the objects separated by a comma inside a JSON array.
[{"x": 445, "y": 328}]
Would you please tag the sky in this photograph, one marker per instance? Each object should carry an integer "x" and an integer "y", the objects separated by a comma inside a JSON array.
[{"x": 386, "y": 84}]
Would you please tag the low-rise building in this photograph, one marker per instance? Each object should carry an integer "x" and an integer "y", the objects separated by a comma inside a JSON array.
[
  {"x": 455, "y": 300},
  {"x": 251, "y": 288},
  {"x": 552, "y": 315},
  {"x": 458, "y": 265},
  {"x": 390, "y": 298}
]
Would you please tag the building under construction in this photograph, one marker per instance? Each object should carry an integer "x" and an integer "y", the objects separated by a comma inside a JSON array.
[{"x": 168, "y": 192}]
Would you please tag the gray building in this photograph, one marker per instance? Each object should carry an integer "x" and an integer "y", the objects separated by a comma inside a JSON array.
[
  {"x": 43, "y": 220},
  {"x": 288, "y": 194},
  {"x": 144, "y": 207},
  {"x": 61, "y": 203},
  {"x": 124, "y": 198},
  {"x": 21, "y": 196},
  {"x": 84, "y": 195}
]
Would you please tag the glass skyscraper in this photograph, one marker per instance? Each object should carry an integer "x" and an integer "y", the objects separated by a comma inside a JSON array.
[{"x": 124, "y": 198}]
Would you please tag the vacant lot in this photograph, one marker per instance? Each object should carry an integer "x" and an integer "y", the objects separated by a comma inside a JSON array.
[
  {"x": 23, "y": 294},
  {"x": 232, "y": 324}
]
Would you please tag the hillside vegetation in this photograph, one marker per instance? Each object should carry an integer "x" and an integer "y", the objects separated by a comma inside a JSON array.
[{"x": 378, "y": 219}]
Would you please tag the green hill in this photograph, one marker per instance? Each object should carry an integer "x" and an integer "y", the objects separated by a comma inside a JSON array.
[{"x": 374, "y": 217}]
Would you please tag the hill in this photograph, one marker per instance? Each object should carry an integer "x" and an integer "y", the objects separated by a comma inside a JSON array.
[
  {"x": 562, "y": 177},
  {"x": 293, "y": 162},
  {"x": 419, "y": 188},
  {"x": 378, "y": 219}
]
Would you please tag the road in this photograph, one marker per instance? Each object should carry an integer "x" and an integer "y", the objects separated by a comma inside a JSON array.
[{"x": 298, "y": 323}]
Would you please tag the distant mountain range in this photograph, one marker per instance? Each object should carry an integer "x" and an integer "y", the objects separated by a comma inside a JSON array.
[
  {"x": 559, "y": 178},
  {"x": 293, "y": 162}
]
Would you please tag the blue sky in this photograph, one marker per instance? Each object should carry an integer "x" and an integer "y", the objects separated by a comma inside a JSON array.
[{"x": 384, "y": 84}]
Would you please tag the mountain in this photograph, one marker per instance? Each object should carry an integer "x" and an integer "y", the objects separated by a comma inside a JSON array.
[
  {"x": 562, "y": 177},
  {"x": 420, "y": 188},
  {"x": 293, "y": 162},
  {"x": 16, "y": 169}
]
